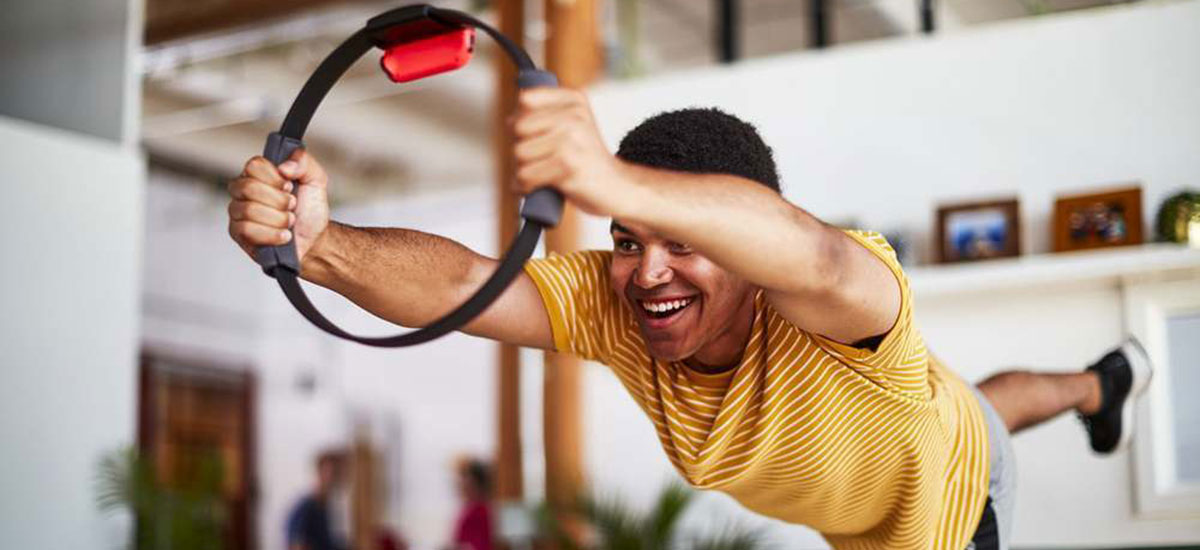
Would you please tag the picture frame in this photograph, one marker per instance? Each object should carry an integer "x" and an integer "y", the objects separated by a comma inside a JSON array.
[
  {"x": 1098, "y": 220},
  {"x": 976, "y": 231}
]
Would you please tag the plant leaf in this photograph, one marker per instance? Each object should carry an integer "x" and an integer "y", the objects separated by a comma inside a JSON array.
[
  {"x": 731, "y": 538},
  {"x": 660, "y": 525},
  {"x": 616, "y": 524}
]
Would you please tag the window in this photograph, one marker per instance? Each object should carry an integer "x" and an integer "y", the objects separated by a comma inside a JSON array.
[{"x": 1165, "y": 316}]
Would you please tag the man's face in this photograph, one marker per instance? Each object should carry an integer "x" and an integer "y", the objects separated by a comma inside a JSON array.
[
  {"x": 329, "y": 474},
  {"x": 684, "y": 303}
]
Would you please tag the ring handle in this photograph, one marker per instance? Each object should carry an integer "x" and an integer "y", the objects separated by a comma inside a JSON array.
[
  {"x": 545, "y": 205},
  {"x": 278, "y": 149}
]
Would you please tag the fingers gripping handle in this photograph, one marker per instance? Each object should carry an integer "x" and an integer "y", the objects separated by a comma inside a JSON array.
[
  {"x": 544, "y": 205},
  {"x": 278, "y": 149}
]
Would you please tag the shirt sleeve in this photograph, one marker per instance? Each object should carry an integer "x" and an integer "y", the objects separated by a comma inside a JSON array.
[
  {"x": 900, "y": 361},
  {"x": 579, "y": 301}
]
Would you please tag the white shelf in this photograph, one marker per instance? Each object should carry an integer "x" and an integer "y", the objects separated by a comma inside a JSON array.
[{"x": 1107, "y": 265}]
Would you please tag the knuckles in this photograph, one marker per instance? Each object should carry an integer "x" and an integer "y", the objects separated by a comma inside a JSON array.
[
  {"x": 555, "y": 138},
  {"x": 240, "y": 232},
  {"x": 257, "y": 161}
]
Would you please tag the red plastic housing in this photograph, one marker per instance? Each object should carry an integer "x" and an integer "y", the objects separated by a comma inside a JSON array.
[{"x": 417, "y": 59}]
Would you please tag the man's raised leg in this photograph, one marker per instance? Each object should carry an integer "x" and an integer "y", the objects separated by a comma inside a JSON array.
[{"x": 1102, "y": 395}]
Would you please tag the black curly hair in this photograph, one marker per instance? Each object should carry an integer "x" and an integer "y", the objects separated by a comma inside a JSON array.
[
  {"x": 700, "y": 140},
  {"x": 479, "y": 474}
]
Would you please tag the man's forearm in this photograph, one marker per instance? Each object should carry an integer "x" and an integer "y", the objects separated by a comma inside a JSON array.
[
  {"x": 407, "y": 277},
  {"x": 739, "y": 224}
]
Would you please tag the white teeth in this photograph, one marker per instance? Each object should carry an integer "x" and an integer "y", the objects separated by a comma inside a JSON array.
[{"x": 660, "y": 307}]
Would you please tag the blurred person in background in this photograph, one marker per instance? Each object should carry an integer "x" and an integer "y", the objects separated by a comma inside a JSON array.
[
  {"x": 310, "y": 525},
  {"x": 473, "y": 528}
]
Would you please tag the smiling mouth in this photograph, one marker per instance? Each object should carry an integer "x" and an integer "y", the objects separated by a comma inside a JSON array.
[{"x": 665, "y": 309}]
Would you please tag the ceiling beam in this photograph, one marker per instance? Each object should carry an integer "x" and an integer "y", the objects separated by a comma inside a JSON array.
[{"x": 176, "y": 19}]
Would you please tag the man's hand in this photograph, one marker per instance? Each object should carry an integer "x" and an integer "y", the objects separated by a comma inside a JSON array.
[
  {"x": 263, "y": 212},
  {"x": 558, "y": 145}
]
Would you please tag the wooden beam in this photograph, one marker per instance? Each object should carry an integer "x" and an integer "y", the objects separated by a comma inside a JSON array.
[
  {"x": 573, "y": 46},
  {"x": 819, "y": 13},
  {"x": 364, "y": 494},
  {"x": 573, "y": 52},
  {"x": 172, "y": 19},
  {"x": 927, "y": 17},
  {"x": 728, "y": 30},
  {"x": 510, "y": 480}
]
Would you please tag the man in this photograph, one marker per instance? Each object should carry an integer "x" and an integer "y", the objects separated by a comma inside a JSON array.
[
  {"x": 308, "y": 524},
  {"x": 775, "y": 355}
]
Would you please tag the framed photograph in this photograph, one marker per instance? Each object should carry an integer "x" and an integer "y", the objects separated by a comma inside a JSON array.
[
  {"x": 978, "y": 231},
  {"x": 1098, "y": 220}
]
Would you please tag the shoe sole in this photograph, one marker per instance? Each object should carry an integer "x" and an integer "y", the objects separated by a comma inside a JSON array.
[{"x": 1139, "y": 363}]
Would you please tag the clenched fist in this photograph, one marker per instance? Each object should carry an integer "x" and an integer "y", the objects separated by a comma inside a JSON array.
[
  {"x": 558, "y": 145},
  {"x": 264, "y": 212}
]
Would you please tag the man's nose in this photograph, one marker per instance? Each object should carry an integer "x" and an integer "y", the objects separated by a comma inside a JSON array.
[{"x": 654, "y": 269}]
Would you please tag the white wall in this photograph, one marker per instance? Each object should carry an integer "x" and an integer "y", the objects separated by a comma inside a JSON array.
[
  {"x": 69, "y": 221},
  {"x": 880, "y": 132},
  {"x": 70, "y": 64}
]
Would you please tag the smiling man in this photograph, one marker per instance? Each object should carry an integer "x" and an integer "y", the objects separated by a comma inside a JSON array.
[{"x": 775, "y": 355}]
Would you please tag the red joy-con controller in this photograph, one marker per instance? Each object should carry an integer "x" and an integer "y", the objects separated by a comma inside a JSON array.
[{"x": 408, "y": 61}]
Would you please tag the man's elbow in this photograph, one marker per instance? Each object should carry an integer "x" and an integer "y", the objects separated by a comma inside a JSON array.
[
  {"x": 471, "y": 275},
  {"x": 829, "y": 265}
]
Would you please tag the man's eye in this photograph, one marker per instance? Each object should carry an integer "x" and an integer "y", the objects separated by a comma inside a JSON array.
[
  {"x": 626, "y": 245},
  {"x": 680, "y": 248}
]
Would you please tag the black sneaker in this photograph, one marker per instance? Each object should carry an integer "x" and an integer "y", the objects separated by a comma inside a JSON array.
[{"x": 1124, "y": 374}]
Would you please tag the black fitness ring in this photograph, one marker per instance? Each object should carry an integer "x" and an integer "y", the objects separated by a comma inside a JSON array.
[{"x": 541, "y": 209}]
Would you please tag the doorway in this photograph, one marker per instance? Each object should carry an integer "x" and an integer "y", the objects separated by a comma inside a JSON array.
[{"x": 196, "y": 428}]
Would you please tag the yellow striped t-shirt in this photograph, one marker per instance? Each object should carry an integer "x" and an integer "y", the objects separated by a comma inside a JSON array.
[{"x": 873, "y": 449}]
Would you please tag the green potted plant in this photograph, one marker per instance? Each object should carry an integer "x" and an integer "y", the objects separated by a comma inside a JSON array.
[
  {"x": 613, "y": 525},
  {"x": 1178, "y": 218},
  {"x": 189, "y": 516}
]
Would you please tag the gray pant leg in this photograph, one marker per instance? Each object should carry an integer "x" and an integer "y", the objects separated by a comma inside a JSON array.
[{"x": 1002, "y": 479}]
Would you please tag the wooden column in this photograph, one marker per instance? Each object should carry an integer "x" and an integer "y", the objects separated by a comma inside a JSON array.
[
  {"x": 510, "y": 480},
  {"x": 819, "y": 12},
  {"x": 728, "y": 30},
  {"x": 364, "y": 494},
  {"x": 573, "y": 53},
  {"x": 927, "y": 16}
]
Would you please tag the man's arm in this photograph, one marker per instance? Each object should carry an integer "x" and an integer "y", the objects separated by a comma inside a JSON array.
[
  {"x": 413, "y": 278},
  {"x": 816, "y": 276},
  {"x": 406, "y": 277}
]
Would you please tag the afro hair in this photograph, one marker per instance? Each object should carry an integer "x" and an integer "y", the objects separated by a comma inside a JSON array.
[{"x": 701, "y": 140}]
